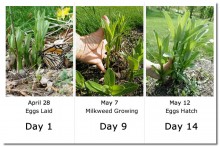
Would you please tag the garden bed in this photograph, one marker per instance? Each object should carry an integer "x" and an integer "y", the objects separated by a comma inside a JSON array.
[
  {"x": 119, "y": 66},
  {"x": 201, "y": 76}
]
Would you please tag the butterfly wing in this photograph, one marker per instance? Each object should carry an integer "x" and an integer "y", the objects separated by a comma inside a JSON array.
[{"x": 53, "y": 57}]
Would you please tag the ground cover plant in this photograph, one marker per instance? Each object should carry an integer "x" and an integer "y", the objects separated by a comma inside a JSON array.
[
  {"x": 39, "y": 51},
  {"x": 188, "y": 41},
  {"x": 124, "y": 61}
]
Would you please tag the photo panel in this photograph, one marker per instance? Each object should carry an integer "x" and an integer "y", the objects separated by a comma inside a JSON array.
[
  {"x": 109, "y": 51},
  {"x": 39, "y": 50},
  {"x": 180, "y": 51}
]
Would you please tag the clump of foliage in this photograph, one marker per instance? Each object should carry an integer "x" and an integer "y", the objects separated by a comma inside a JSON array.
[
  {"x": 135, "y": 59},
  {"x": 163, "y": 53},
  {"x": 40, "y": 31},
  {"x": 186, "y": 38},
  {"x": 19, "y": 46},
  {"x": 110, "y": 88},
  {"x": 19, "y": 43},
  {"x": 113, "y": 34}
]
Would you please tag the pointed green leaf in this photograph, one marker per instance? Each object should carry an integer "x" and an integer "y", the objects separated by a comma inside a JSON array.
[
  {"x": 139, "y": 73},
  {"x": 133, "y": 63},
  {"x": 185, "y": 18},
  {"x": 116, "y": 90},
  {"x": 95, "y": 87},
  {"x": 166, "y": 44},
  {"x": 169, "y": 23},
  {"x": 128, "y": 88},
  {"x": 109, "y": 77},
  {"x": 80, "y": 80}
]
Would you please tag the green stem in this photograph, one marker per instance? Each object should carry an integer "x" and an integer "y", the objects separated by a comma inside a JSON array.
[
  {"x": 13, "y": 32},
  {"x": 131, "y": 76},
  {"x": 107, "y": 61}
]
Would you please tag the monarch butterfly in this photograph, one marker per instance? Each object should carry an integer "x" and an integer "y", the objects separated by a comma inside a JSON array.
[{"x": 53, "y": 57}]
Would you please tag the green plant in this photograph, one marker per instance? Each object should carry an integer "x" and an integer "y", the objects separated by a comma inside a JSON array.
[
  {"x": 109, "y": 87},
  {"x": 27, "y": 41},
  {"x": 40, "y": 30},
  {"x": 163, "y": 54},
  {"x": 80, "y": 81},
  {"x": 19, "y": 46},
  {"x": 113, "y": 35},
  {"x": 186, "y": 38},
  {"x": 120, "y": 29},
  {"x": 135, "y": 60}
]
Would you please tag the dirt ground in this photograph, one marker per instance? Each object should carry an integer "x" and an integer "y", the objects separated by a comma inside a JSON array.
[
  {"x": 202, "y": 73},
  {"x": 25, "y": 83}
]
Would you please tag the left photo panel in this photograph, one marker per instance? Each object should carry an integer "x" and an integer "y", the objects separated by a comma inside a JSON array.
[{"x": 39, "y": 51}]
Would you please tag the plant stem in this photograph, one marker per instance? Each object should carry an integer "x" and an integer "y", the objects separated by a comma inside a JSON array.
[
  {"x": 13, "y": 32},
  {"x": 108, "y": 56},
  {"x": 131, "y": 76}
]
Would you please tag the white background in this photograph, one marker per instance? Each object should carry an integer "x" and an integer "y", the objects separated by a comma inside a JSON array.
[
  {"x": 12, "y": 110},
  {"x": 87, "y": 126},
  {"x": 156, "y": 117}
]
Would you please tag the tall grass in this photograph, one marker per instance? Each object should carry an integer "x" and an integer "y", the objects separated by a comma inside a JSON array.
[
  {"x": 88, "y": 19},
  {"x": 24, "y": 16}
]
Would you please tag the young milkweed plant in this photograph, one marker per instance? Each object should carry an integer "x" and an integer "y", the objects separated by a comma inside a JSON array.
[
  {"x": 40, "y": 30},
  {"x": 135, "y": 60},
  {"x": 185, "y": 38},
  {"x": 110, "y": 88},
  {"x": 113, "y": 35},
  {"x": 161, "y": 57},
  {"x": 19, "y": 43}
]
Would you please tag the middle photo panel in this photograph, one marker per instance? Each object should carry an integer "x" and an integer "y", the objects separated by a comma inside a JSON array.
[{"x": 109, "y": 51}]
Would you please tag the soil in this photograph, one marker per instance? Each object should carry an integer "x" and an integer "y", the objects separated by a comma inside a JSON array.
[
  {"x": 201, "y": 76},
  {"x": 118, "y": 64},
  {"x": 25, "y": 83}
]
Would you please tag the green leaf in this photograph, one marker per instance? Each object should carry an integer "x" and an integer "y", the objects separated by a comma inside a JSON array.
[
  {"x": 169, "y": 23},
  {"x": 138, "y": 73},
  {"x": 80, "y": 81},
  {"x": 159, "y": 42},
  {"x": 95, "y": 87},
  {"x": 191, "y": 59},
  {"x": 109, "y": 77},
  {"x": 185, "y": 18},
  {"x": 128, "y": 88},
  {"x": 139, "y": 48},
  {"x": 201, "y": 34},
  {"x": 182, "y": 77},
  {"x": 178, "y": 34},
  {"x": 26, "y": 50},
  {"x": 133, "y": 63},
  {"x": 166, "y": 44},
  {"x": 116, "y": 90},
  {"x": 194, "y": 32}
]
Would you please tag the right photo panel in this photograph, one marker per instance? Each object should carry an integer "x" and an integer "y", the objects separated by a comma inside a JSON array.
[
  {"x": 180, "y": 104},
  {"x": 180, "y": 50}
]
